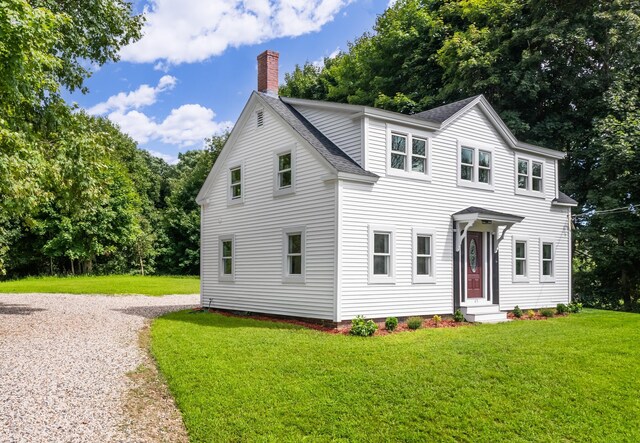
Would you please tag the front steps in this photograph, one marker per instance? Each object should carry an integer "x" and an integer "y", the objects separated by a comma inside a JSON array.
[{"x": 484, "y": 314}]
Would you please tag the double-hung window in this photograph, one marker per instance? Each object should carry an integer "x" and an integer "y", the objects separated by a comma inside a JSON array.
[
  {"x": 227, "y": 258},
  {"x": 235, "y": 184},
  {"x": 423, "y": 256},
  {"x": 476, "y": 166},
  {"x": 381, "y": 250},
  {"x": 294, "y": 254},
  {"x": 529, "y": 176},
  {"x": 520, "y": 260},
  {"x": 547, "y": 261},
  {"x": 284, "y": 172},
  {"x": 409, "y": 155}
]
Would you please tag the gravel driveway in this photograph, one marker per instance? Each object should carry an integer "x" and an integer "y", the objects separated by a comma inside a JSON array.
[{"x": 64, "y": 360}]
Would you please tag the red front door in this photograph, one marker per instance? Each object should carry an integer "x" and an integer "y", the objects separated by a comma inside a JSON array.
[{"x": 474, "y": 265}]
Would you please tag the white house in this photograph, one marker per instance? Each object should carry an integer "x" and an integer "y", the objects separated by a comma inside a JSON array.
[{"x": 328, "y": 211}]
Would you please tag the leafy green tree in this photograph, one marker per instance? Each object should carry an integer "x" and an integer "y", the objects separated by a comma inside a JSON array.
[
  {"x": 554, "y": 70},
  {"x": 181, "y": 250}
]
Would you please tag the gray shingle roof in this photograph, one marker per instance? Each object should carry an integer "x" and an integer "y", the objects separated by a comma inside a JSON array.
[
  {"x": 325, "y": 147},
  {"x": 564, "y": 199},
  {"x": 442, "y": 113},
  {"x": 486, "y": 212}
]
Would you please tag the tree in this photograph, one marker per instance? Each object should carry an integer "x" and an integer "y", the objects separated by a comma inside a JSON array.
[
  {"x": 550, "y": 68},
  {"x": 181, "y": 250},
  {"x": 45, "y": 46}
]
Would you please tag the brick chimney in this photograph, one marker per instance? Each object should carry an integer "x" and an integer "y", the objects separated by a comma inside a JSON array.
[{"x": 268, "y": 72}]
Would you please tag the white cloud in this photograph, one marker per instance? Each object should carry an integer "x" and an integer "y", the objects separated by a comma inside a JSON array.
[
  {"x": 145, "y": 95},
  {"x": 171, "y": 159},
  {"x": 186, "y": 31},
  {"x": 184, "y": 126},
  {"x": 320, "y": 62}
]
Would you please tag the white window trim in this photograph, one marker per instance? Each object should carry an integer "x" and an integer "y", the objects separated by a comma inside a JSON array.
[
  {"x": 529, "y": 191},
  {"x": 407, "y": 172},
  {"x": 286, "y": 277},
  {"x": 548, "y": 278},
  {"x": 243, "y": 188},
  {"x": 527, "y": 255},
  {"x": 417, "y": 278},
  {"x": 382, "y": 279},
  {"x": 221, "y": 276},
  {"x": 477, "y": 147},
  {"x": 277, "y": 191}
]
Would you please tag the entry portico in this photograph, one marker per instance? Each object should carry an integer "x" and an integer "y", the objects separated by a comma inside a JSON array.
[{"x": 478, "y": 233}]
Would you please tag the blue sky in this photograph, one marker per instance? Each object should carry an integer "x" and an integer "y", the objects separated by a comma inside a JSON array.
[{"x": 194, "y": 69}]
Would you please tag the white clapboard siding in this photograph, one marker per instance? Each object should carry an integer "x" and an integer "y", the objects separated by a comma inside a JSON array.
[
  {"x": 258, "y": 228},
  {"x": 406, "y": 203},
  {"x": 339, "y": 127}
]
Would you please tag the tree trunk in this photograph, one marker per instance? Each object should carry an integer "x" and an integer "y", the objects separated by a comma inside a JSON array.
[
  {"x": 625, "y": 282},
  {"x": 141, "y": 265},
  {"x": 73, "y": 272}
]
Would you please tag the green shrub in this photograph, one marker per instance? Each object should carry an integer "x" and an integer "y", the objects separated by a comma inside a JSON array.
[
  {"x": 517, "y": 312},
  {"x": 437, "y": 320},
  {"x": 546, "y": 312},
  {"x": 458, "y": 317},
  {"x": 414, "y": 322},
  {"x": 391, "y": 323},
  {"x": 562, "y": 308},
  {"x": 531, "y": 313},
  {"x": 362, "y": 327},
  {"x": 575, "y": 307}
]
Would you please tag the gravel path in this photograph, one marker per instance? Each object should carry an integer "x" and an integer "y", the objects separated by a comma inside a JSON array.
[{"x": 63, "y": 363}]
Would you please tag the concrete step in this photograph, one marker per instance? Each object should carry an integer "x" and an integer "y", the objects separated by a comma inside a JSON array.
[
  {"x": 487, "y": 318},
  {"x": 481, "y": 309}
]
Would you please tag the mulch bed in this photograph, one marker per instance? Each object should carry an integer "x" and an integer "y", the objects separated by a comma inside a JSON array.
[
  {"x": 537, "y": 316},
  {"x": 344, "y": 330}
]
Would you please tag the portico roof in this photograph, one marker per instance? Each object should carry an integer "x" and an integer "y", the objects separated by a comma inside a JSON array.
[{"x": 476, "y": 213}]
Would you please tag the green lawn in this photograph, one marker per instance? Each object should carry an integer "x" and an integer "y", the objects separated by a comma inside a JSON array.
[
  {"x": 108, "y": 284},
  {"x": 564, "y": 379}
]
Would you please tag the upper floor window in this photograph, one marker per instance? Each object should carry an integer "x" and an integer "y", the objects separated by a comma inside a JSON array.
[
  {"x": 408, "y": 154},
  {"x": 235, "y": 184},
  {"x": 476, "y": 166},
  {"x": 285, "y": 172},
  {"x": 529, "y": 175}
]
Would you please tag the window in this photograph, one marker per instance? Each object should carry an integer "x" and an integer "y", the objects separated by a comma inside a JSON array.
[
  {"x": 259, "y": 118},
  {"x": 547, "y": 258},
  {"x": 381, "y": 255},
  {"x": 398, "y": 151},
  {"x": 529, "y": 176},
  {"x": 520, "y": 260},
  {"x": 423, "y": 256},
  {"x": 235, "y": 184},
  {"x": 409, "y": 154},
  {"x": 227, "y": 258},
  {"x": 294, "y": 254},
  {"x": 475, "y": 166},
  {"x": 423, "y": 265},
  {"x": 284, "y": 172}
]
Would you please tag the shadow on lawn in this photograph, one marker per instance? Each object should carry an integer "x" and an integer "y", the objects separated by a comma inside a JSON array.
[
  {"x": 11, "y": 309},
  {"x": 151, "y": 311},
  {"x": 217, "y": 320}
]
